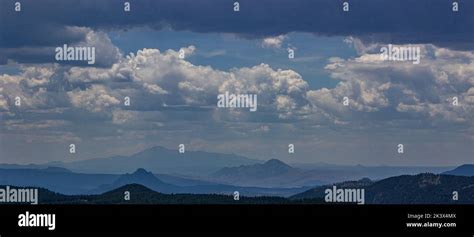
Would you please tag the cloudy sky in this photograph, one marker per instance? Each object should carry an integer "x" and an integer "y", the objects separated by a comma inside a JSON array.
[{"x": 173, "y": 99}]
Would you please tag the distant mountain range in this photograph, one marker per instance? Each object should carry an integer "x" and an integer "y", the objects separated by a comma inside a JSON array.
[
  {"x": 159, "y": 160},
  {"x": 64, "y": 181},
  {"x": 275, "y": 173},
  {"x": 56, "y": 179},
  {"x": 463, "y": 170},
  {"x": 195, "y": 172},
  {"x": 196, "y": 168},
  {"x": 231, "y": 169},
  {"x": 151, "y": 181},
  {"x": 407, "y": 189}
]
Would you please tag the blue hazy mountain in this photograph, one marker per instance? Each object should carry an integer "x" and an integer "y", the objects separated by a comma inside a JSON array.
[
  {"x": 66, "y": 182},
  {"x": 463, "y": 170},
  {"x": 55, "y": 179},
  {"x": 142, "y": 177},
  {"x": 149, "y": 180},
  {"x": 236, "y": 170},
  {"x": 270, "y": 168},
  {"x": 24, "y": 166},
  {"x": 273, "y": 173},
  {"x": 406, "y": 189},
  {"x": 423, "y": 188},
  {"x": 182, "y": 180},
  {"x": 159, "y": 160},
  {"x": 328, "y": 173}
]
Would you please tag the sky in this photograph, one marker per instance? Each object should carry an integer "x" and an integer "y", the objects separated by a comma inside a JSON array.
[{"x": 300, "y": 100}]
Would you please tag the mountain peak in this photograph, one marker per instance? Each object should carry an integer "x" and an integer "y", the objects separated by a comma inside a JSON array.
[
  {"x": 276, "y": 163},
  {"x": 53, "y": 169},
  {"x": 466, "y": 166},
  {"x": 463, "y": 170},
  {"x": 141, "y": 171},
  {"x": 271, "y": 168},
  {"x": 142, "y": 177},
  {"x": 139, "y": 176}
]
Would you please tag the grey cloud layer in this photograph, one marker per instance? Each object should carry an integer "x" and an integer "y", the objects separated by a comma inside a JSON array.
[{"x": 50, "y": 23}]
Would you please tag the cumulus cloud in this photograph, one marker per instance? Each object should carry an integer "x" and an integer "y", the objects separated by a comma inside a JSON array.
[
  {"x": 273, "y": 42},
  {"x": 418, "y": 91},
  {"x": 27, "y": 86},
  {"x": 96, "y": 98},
  {"x": 3, "y": 101},
  {"x": 156, "y": 80}
]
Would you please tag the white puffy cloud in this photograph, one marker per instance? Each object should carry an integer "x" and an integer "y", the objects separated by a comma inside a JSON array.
[
  {"x": 178, "y": 82},
  {"x": 106, "y": 52},
  {"x": 154, "y": 80},
  {"x": 422, "y": 91},
  {"x": 97, "y": 75},
  {"x": 29, "y": 86},
  {"x": 95, "y": 99},
  {"x": 3, "y": 101},
  {"x": 274, "y": 42}
]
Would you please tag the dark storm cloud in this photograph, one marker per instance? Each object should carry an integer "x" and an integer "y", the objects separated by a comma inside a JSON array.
[{"x": 47, "y": 22}]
